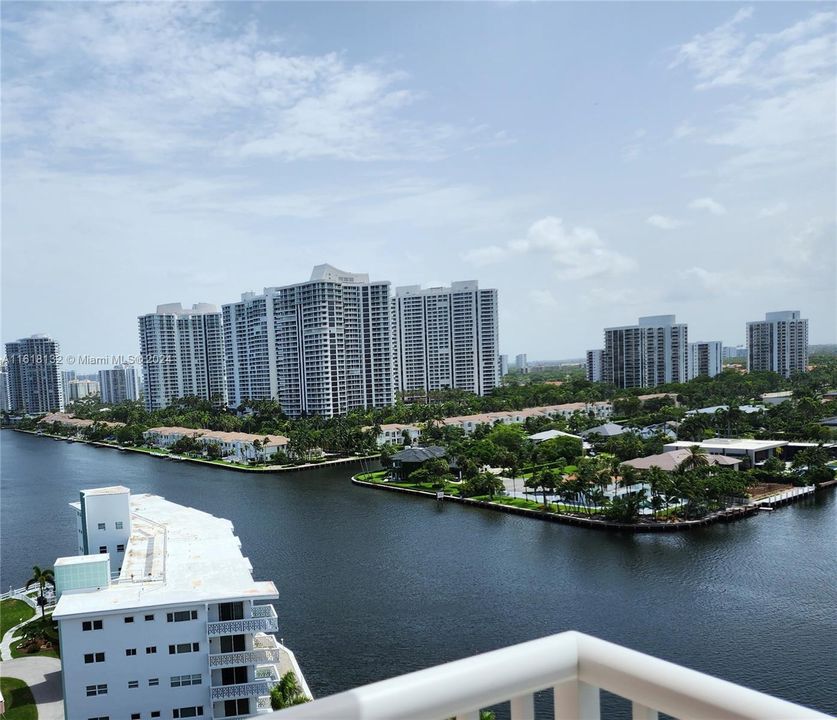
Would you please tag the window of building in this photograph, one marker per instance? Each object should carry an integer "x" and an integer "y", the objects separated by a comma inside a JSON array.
[
  {"x": 151, "y": 649},
  {"x": 182, "y": 616},
  {"x": 96, "y": 690},
  {"x": 133, "y": 684},
  {"x": 101, "y": 717},
  {"x": 155, "y": 713},
  {"x": 101, "y": 526},
  {"x": 237, "y": 707},
  {"x": 152, "y": 682},
  {"x": 91, "y": 625},
  {"x": 120, "y": 548},
  {"x": 231, "y": 611},
  {"x": 103, "y": 549},
  {"x": 149, "y": 617},
  {"x": 129, "y": 619},
  {"x": 135, "y": 716},
  {"x": 118, "y": 524},
  {"x": 183, "y": 648},
  {"x": 185, "y": 680},
  {"x": 130, "y": 651},
  {"x": 187, "y": 712},
  {"x": 94, "y": 657}
]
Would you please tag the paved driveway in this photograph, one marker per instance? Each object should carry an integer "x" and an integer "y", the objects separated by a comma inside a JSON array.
[{"x": 43, "y": 676}]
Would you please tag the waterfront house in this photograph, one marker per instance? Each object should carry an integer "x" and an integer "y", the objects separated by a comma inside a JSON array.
[
  {"x": 756, "y": 451},
  {"x": 411, "y": 459},
  {"x": 607, "y": 430},
  {"x": 159, "y": 616},
  {"x": 673, "y": 459}
]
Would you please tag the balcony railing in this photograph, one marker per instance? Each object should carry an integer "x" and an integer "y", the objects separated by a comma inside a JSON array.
[
  {"x": 574, "y": 666},
  {"x": 243, "y": 690},
  {"x": 245, "y": 657},
  {"x": 265, "y": 622}
]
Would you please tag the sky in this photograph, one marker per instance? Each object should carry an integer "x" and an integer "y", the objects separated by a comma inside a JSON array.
[{"x": 594, "y": 162}]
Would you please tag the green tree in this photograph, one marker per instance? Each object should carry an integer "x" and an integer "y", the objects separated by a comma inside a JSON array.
[
  {"x": 695, "y": 459},
  {"x": 287, "y": 692},
  {"x": 41, "y": 577}
]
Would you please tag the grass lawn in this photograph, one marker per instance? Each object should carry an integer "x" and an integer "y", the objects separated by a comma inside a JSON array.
[
  {"x": 376, "y": 476},
  {"x": 43, "y": 653},
  {"x": 13, "y": 612},
  {"x": 20, "y": 705}
]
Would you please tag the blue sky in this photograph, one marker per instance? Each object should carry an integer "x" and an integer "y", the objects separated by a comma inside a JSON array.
[{"x": 595, "y": 162}]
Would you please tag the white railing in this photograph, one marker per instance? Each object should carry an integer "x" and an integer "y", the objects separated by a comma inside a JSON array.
[
  {"x": 266, "y": 622},
  {"x": 245, "y": 657},
  {"x": 265, "y": 642},
  {"x": 244, "y": 690},
  {"x": 574, "y": 665}
]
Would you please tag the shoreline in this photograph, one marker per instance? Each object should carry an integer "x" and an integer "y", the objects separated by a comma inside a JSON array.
[
  {"x": 198, "y": 461},
  {"x": 721, "y": 516}
]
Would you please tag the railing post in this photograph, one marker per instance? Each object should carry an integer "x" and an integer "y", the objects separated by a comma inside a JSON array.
[
  {"x": 640, "y": 712},
  {"x": 523, "y": 707},
  {"x": 576, "y": 700}
]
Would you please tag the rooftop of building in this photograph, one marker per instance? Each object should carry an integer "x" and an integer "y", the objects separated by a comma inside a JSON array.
[
  {"x": 219, "y": 435},
  {"x": 673, "y": 459},
  {"x": 196, "y": 554},
  {"x": 722, "y": 444},
  {"x": 69, "y": 420}
]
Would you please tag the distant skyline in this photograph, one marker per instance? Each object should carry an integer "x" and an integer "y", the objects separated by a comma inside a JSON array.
[{"x": 594, "y": 162}]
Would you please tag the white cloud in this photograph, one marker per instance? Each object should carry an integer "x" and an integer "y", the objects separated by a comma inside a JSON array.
[
  {"x": 544, "y": 298},
  {"x": 147, "y": 82},
  {"x": 663, "y": 222},
  {"x": 772, "y": 210},
  {"x": 784, "y": 118},
  {"x": 576, "y": 253},
  {"x": 708, "y": 204}
]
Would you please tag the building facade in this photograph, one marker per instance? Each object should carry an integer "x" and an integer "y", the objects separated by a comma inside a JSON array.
[
  {"x": 119, "y": 384},
  {"x": 34, "y": 375},
  {"x": 5, "y": 402},
  {"x": 779, "y": 343},
  {"x": 651, "y": 353},
  {"x": 182, "y": 354},
  {"x": 322, "y": 347},
  {"x": 81, "y": 388},
  {"x": 447, "y": 338},
  {"x": 158, "y": 615},
  {"x": 595, "y": 362},
  {"x": 522, "y": 363},
  {"x": 705, "y": 358}
]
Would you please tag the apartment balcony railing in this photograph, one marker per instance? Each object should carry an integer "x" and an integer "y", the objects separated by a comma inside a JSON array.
[
  {"x": 265, "y": 622},
  {"x": 257, "y": 688},
  {"x": 244, "y": 657},
  {"x": 574, "y": 666}
]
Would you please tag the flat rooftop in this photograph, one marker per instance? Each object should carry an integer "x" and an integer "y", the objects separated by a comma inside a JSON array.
[
  {"x": 176, "y": 555},
  {"x": 729, "y": 444}
]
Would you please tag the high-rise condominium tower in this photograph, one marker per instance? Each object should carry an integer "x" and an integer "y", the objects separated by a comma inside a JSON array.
[
  {"x": 595, "y": 360},
  {"x": 651, "y": 353},
  {"x": 119, "y": 384},
  {"x": 321, "y": 347},
  {"x": 34, "y": 380},
  {"x": 778, "y": 343},
  {"x": 705, "y": 358},
  {"x": 447, "y": 338},
  {"x": 182, "y": 354}
]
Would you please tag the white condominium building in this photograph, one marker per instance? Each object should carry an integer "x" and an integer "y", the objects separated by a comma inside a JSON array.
[
  {"x": 594, "y": 365},
  {"x": 447, "y": 338},
  {"x": 34, "y": 379},
  {"x": 81, "y": 388},
  {"x": 322, "y": 347},
  {"x": 182, "y": 354},
  {"x": 705, "y": 358},
  {"x": 119, "y": 384},
  {"x": 158, "y": 615},
  {"x": 778, "y": 343},
  {"x": 651, "y": 353}
]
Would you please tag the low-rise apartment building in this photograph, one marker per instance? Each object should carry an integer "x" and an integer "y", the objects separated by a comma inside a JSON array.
[
  {"x": 159, "y": 615},
  {"x": 237, "y": 446}
]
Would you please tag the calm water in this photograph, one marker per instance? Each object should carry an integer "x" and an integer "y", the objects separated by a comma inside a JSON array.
[{"x": 374, "y": 584}]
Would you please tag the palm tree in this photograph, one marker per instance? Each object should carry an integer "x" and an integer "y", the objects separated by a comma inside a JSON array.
[
  {"x": 287, "y": 692},
  {"x": 42, "y": 578},
  {"x": 695, "y": 459}
]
